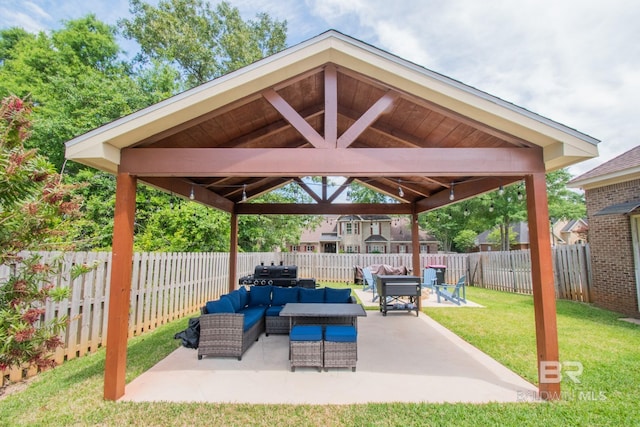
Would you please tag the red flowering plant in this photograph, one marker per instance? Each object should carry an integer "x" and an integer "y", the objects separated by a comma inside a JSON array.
[{"x": 34, "y": 204}]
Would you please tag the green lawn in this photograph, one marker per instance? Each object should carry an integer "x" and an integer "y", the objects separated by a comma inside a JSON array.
[{"x": 608, "y": 394}]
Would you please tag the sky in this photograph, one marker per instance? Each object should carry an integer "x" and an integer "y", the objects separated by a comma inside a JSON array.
[{"x": 576, "y": 62}]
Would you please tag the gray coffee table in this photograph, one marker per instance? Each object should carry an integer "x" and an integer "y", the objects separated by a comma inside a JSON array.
[{"x": 323, "y": 313}]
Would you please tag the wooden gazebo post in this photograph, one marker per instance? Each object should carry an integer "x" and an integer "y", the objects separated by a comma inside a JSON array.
[
  {"x": 544, "y": 298},
  {"x": 120, "y": 287},
  {"x": 415, "y": 253},
  {"x": 233, "y": 252}
]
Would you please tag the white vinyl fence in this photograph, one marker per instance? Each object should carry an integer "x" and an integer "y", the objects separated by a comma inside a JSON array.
[{"x": 169, "y": 286}]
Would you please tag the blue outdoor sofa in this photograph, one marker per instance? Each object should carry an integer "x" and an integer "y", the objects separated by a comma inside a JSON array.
[{"x": 229, "y": 325}]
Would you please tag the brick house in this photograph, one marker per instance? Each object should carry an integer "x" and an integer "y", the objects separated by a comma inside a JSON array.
[
  {"x": 363, "y": 234},
  {"x": 612, "y": 194}
]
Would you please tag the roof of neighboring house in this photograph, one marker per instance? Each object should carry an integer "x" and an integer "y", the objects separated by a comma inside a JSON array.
[
  {"x": 521, "y": 230},
  {"x": 364, "y": 218},
  {"x": 375, "y": 238},
  {"x": 401, "y": 232},
  {"x": 625, "y": 167},
  {"x": 573, "y": 223}
]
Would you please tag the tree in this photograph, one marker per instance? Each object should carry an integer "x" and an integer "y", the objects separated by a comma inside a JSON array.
[
  {"x": 33, "y": 205},
  {"x": 76, "y": 81},
  {"x": 465, "y": 240},
  {"x": 200, "y": 42},
  {"x": 358, "y": 193}
]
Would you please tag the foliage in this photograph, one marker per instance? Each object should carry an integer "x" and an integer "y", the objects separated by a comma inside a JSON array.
[
  {"x": 500, "y": 209},
  {"x": 259, "y": 233},
  {"x": 358, "y": 193},
  {"x": 75, "y": 79},
  {"x": 465, "y": 240},
  {"x": 185, "y": 227},
  {"x": 33, "y": 204},
  {"x": 498, "y": 236},
  {"x": 202, "y": 43}
]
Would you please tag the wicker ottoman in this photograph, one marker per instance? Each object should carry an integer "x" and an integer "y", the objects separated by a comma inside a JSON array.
[
  {"x": 340, "y": 347},
  {"x": 306, "y": 346}
]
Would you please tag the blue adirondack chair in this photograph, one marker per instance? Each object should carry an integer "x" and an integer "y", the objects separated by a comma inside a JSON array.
[
  {"x": 456, "y": 295},
  {"x": 368, "y": 282},
  {"x": 429, "y": 278}
]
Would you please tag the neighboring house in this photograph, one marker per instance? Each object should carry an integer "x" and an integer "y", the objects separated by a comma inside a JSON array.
[
  {"x": 363, "y": 234},
  {"x": 563, "y": 232},
  {"x": 569, "y": 232},
  {"x": 612, "y": 195},
  {"x": 519, "y": 229}
]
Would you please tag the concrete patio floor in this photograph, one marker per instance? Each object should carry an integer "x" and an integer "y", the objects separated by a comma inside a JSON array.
[{"x": 401, "y": 358}]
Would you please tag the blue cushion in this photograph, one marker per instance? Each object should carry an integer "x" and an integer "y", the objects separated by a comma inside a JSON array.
[
  {"x": 235, "y": 300},
  {"x": 340, "y": 333},
  {"x": 311, "y": 295},
  {"x": 260, "y": 295},
  {"x": 332, "y": 295},
  {"x": 223, "y": 305},
  {"x": 252, "y": 315},
  {"x": 282, "y": 296},
  {"x": 306, "y": 333},
  {"x": 244, "y": 296},
  {"x": 274, "y": 310}
]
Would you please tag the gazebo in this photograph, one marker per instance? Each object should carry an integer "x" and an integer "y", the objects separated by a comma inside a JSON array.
[{"x": 331, "y": 106}]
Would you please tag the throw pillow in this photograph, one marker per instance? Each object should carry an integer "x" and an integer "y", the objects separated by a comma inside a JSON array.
[
  {"x": 260, "y": 295},
  {"x": 332, "y": 295},
  {"x": 282, "y": 296},
  {"x": 311, "y": 295},
  {"x": 223, "y": 305}
]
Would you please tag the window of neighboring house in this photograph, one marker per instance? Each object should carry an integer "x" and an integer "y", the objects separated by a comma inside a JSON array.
[
  {"x": 375, "y": 228},
  {"x": 376, "y": 249},
  {"x": 348, "y": 228},
  {"x": 424, "y": 249},
  {"x": 295, "y": 248},
  {"x": 351, "y": 249},
  {"x": 402, "y": 249},
  {"x": 310, "y": 248}
]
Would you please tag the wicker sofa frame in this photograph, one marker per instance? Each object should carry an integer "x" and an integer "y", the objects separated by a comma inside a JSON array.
[{"x": 221, "y": 334}]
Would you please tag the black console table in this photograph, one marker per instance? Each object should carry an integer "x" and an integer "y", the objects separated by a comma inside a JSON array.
[{"x": 398, "y": 293}]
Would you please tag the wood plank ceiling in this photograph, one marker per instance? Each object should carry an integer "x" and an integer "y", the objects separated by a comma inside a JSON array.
[{"x": 327, "y": 121}]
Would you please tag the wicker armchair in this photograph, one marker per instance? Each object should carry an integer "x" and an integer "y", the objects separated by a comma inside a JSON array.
[{"x": 221, "y": 334}]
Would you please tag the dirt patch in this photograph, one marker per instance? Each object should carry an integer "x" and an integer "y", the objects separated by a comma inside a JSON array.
[{"x": 9, "y": 389}]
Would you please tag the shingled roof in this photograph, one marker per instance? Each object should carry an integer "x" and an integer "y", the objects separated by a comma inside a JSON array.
[{"x": 623, "y": 168}]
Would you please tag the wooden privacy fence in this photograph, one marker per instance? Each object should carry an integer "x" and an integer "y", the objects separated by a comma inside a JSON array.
[
  {"x": 511, "y": 271},
  {"x": 168, "y": 286}
]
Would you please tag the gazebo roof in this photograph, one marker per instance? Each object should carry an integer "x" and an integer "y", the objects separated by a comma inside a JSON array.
[{"x": 331, "y": 106}]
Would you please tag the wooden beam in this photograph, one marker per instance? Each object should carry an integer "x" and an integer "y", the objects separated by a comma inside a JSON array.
[
  {"x": 183, "y": 188},
  {"x": 464, "y": 191},
  {"x": 120, "y": 287},
  {"x": 544, "y": 297},
  {"x": 207, "y": 162},
  {"x": 292, "y": 116},
  {"x": 309, "y": 191},
  {"x": 330, "y": 105},
  {"x": 340, "y": 189},
  {"x": 367, "y": 119},
  {"x": 323, "y": 209}
]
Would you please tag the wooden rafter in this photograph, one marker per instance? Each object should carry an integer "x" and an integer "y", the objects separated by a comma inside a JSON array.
[
  {"x": 294, "y": 118},
  {"x": 370, "y": 116}
]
